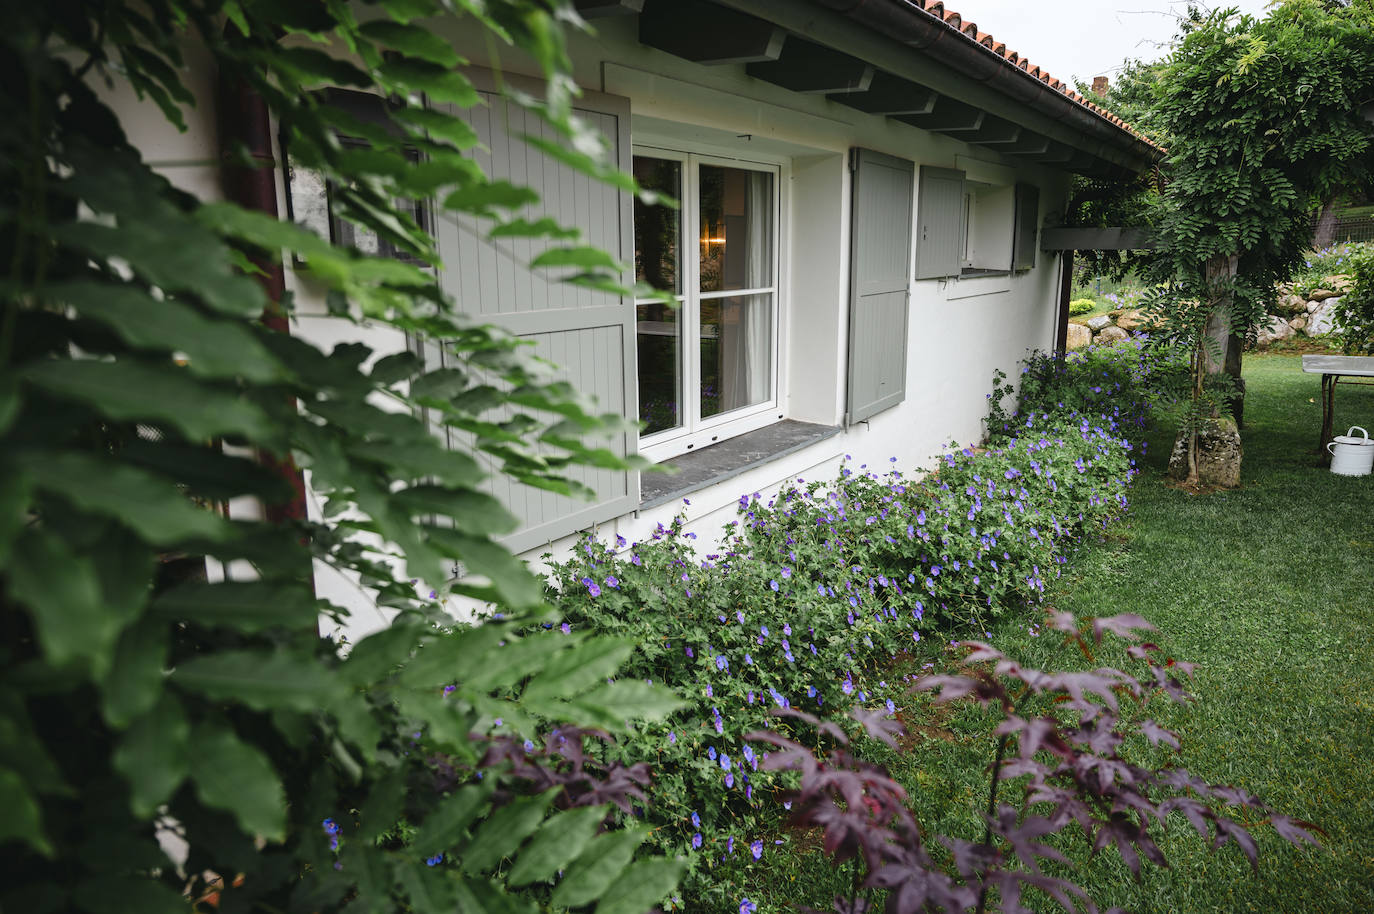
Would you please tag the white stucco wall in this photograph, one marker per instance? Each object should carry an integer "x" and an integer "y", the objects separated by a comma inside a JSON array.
[{"x": 960, "y": 331}]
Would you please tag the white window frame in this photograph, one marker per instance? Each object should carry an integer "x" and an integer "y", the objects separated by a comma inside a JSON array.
[{"x": 694, "y": 432}]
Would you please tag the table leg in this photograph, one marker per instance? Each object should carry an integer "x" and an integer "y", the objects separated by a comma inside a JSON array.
[{"x": 1328, "y": 413}]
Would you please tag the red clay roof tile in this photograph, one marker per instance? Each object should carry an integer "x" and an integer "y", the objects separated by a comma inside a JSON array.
[{"x": 970, "y": 30}]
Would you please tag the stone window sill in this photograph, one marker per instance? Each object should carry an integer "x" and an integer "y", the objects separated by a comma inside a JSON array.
[{"x": 719, "y": 462}]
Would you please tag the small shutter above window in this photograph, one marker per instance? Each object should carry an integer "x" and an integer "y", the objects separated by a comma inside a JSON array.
[
  {"x": 1027, "y": 225},
  {"x": 940, "y": 223},
  {"x": 880, "y": 277}
]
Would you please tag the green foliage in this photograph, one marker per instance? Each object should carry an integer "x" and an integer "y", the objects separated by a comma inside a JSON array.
[
  {"x": 1263, "y": 118},
  {"x": 1082, "y": 306},
  {"x": 1337, "y": 260},
  {"x": 1131, "y": 383},
  {"x": 814, "y": 592},
  {"x": 1354, "y": 313},
  {"x": 142, "y": 698}
]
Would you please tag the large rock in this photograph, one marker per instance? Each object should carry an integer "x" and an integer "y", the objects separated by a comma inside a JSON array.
[
  {"x": 1298, "y": 323},
  {"x": 1312, "y": 306},
  {"x": 1276, "y": 329},
  {"x": 1097, "y": 323},
  {"x": 1319, "y": 294},
  {"x": 1292, "y": 304},
  {"x": 1322, "y": 321},
  {"x": 1079, "y": 336},
  {"x": 1218, "y": 455},
  {"x": 1130, "y": 320},
  {"x": 1108, "y": 335},
  {"x": 1338, "y": 281}
]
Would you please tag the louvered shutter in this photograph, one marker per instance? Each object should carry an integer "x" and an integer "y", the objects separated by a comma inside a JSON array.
[
  {"x": 1027, "y": 224},
  {"x": 940, "y": 224},
  {"x": 588, "y": 334},
  {"x": 880, "y": 277}
]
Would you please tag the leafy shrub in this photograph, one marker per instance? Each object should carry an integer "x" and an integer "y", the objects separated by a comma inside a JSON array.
[
  {"x": 143, "y": 379},
  {"x": 1335, "y": 260},
  {"x": 815, "y": 589},
  {"x": 1354, "y": 313},
  {"x": 1125, "y": 383},
  {"x": 1066, "y": 741},
  {"x": 1081, "y": 305}
]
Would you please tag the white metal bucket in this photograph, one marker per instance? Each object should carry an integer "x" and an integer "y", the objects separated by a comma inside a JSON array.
[{"x": 1351, "y": 455}]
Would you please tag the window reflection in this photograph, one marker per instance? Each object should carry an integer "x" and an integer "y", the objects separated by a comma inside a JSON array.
[
  {"x": 658, "y": 330},
  {"x": 736, "y": 228},
  {"x": 736, "y": 352}
]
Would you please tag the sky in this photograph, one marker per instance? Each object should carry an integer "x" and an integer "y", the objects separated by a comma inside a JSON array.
[{"x": 1085, "y": 38}]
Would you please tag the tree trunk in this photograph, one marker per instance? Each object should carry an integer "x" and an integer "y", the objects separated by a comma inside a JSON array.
[
  {"x": 1326, "y": 227},
  {"x": 1222, "y": 352}
]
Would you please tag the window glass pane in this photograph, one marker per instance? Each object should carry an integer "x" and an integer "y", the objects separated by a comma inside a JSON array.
[
  {"x": 657, "y": 228},
  {"x": 660, "y": 367},
  {"x": 736, "y": 352},
  {"x": 736, "y": 228}
]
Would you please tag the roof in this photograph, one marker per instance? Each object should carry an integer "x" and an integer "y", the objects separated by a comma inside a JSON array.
[{"x": 971, "y": 33}]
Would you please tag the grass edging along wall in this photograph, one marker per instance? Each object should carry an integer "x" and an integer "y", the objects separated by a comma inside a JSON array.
[{"x": 815, "y": 589}]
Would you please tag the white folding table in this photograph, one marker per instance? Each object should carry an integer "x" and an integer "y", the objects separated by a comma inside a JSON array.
[{"x": 1332, "y": 368}]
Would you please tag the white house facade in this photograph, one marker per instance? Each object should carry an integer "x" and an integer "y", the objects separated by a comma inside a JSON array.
[{"x": 862, "y": 187}]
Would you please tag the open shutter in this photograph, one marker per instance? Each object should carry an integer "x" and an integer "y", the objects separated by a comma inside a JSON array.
[
  {"x": 1027, "y": 224},
  {"x": 588, "y": 334},
  {"x": 879, "y": 281},
  {"x": 940, "y": 226}
]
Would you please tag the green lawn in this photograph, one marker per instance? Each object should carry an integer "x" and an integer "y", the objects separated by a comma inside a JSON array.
[{"x": 1270, "y": 590}]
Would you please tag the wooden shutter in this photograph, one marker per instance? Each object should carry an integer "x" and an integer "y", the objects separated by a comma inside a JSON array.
[
  {"x": 590, "y": 335},
  {"x": 1027, "y": 224},
  {"x": 879, "y": 282},
  {"x": 940, "y": 224}
]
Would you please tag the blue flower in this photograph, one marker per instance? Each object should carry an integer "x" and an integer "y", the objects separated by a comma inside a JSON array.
[
  {"x": 696, "y": 819},
  {"x": 756, "y": 849},
  {"x": 711, "y": 751},
  {"x": 721, "y": 662},
  {"x": 773, "y": 584},
  {"x": 435, "y": 860},
  {"x": 747, "y": 907},
  {"x": 592, "y": 587},
  {"x": 696, "y": 840}
]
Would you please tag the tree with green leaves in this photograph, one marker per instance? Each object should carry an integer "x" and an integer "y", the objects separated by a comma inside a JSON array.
[
  {"x": 145, "y": 382},
  {"x": 1263, "y": 121}
]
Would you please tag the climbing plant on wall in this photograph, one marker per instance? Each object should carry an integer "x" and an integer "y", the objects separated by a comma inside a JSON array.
[{"x": 145, "y": 706}]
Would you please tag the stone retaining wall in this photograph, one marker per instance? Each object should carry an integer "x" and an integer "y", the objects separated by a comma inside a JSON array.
[{"x": 1293, "y": 314}]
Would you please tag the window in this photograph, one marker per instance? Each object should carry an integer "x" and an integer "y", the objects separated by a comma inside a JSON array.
[
  {"x": 707, "y": 370},
  {"x": 972, "y": 227},
  {"x": 321, "y": 205},
  {"x": 988, "y": 225}
]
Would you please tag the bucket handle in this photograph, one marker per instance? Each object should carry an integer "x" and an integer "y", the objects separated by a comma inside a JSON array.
[
  {"x": 1329, "y": 446},
  {"x": 1353, "y": 428}
]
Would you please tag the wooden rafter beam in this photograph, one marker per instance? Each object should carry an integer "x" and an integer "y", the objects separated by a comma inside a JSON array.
[
  {"x": 708, "y": 34},
  {"x": 813, "y": 69},
  {"x": 595, "y": 9},
  {"x": 948, "y": 116},
  {"x": 889, "y": 95}
]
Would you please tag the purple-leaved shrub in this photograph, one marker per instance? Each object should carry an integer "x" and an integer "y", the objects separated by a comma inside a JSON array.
[{"x": 1058, "y": 751}]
